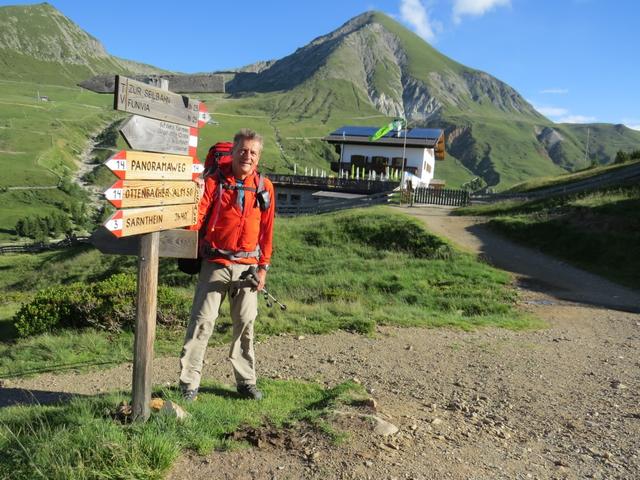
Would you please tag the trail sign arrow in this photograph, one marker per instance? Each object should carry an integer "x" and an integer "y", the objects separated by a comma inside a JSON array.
[
  {"x": 152, "y": 135},
  {"x": 146, "y": 193},
  {"x": 134, "y": 221},
  {"x": 143, "y": 99},
  {"x": 177, "y": 243},
  {"x": 132, "y": 165}
]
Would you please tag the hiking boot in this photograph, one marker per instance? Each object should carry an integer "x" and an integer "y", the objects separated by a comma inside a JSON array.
[
  {"x": 189, "y": 395},
  {"x": 250, "y": 392}
]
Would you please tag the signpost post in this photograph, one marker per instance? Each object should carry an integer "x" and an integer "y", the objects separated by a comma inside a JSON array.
[{"x": 155, "y": 192}]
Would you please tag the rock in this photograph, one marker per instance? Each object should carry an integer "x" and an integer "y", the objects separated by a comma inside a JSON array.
[
  {"x": 156, "y": 404},
  {"x": 371, "y": 403},
  {"x": 437, "y": 421},
  {"x": 384, "y": 428},
  {"x": 300, "y": 337},
  {"x": 408, "y": 347},
  {"x": 174, "y": 410},
  {"x": 618, "y": 385}
]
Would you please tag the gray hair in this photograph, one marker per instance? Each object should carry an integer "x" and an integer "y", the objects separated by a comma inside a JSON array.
[{"x": 247, "y": 134}]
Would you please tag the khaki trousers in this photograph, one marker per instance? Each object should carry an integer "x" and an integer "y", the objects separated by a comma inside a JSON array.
[{"x": 215, "y": 282}]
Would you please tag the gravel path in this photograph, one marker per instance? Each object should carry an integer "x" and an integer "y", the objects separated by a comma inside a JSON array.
[{"x": 562, "y": 402}]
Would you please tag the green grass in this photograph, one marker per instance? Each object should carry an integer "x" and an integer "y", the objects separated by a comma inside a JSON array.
[
  {"x": 566, "y": 179},
  {"x": 598, "y": 231},
  {"x": 80, "y": 439},
  {"x": 350, "y": 270}
]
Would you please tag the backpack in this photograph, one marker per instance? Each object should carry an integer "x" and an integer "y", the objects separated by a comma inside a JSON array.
[{"x": 218, "y": 156}]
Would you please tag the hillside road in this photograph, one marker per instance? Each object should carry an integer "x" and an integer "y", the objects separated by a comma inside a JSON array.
[{"x": 533, "y": 270}]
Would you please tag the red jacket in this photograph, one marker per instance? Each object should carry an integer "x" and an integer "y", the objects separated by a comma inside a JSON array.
[{"x": 236, "y": 230}]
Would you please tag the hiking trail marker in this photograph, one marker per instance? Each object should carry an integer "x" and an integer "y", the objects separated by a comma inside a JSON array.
[{"x": 157, "y": 179}]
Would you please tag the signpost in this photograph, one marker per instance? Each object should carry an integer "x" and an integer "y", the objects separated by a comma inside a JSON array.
[
  {"x": 143, "y": 133},
  {"x": 141, "y": 193},
  {"x": 157, "y": 180},
  {"x": 131, "y": 165}
]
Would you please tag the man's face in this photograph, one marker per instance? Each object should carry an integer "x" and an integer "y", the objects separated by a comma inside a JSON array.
[{"x": 245, "y": 158}]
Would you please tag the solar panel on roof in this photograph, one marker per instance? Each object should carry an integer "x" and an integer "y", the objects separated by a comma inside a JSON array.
[{"x": 415, "y": 133}]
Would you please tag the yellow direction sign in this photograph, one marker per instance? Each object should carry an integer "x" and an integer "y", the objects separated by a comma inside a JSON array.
[
  {"x": 135, "y": 221},
  {"x": 142, "y": 99},
  {"x": 132, "y": 165},
  {"x": 146, "y": 193}
]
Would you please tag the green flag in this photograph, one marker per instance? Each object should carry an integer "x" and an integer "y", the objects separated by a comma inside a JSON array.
[{"x": 396, "y": 124}]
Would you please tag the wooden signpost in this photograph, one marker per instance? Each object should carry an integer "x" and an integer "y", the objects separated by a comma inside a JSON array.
[
  {"x": 157, "y": 180},
  {"x": 132, "y": 165},
  {"x": 143, "y": 133},
  {"x": 141, "y": 193}
]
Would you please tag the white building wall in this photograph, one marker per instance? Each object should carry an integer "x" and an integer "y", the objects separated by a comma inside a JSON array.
[{"x": 416, "y": 157}]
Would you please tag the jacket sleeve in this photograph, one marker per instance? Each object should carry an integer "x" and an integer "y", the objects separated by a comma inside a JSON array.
[
  {"x": 266, "y": 227},
  {"x": 210, "y": 186}
]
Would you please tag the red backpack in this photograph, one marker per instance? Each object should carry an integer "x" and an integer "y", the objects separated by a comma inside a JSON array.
[{"x": 218, "y": 156}]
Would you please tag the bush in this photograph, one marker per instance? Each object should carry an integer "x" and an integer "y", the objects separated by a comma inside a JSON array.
[{"x": 107, "y": 305}]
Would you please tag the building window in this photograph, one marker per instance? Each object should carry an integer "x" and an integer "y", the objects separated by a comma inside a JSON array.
[
  {"x": 397, "y": 162},
  {"x": 358, "y": 160},
  {"x": 295, "y": 198},
  {"x": 282, "y": 197},
  {"x": 379, "y": 164}
]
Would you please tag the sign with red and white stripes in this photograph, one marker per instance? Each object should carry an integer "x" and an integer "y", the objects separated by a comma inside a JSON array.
[
  {"x": 146, "y": 193},
  {"x": 152, "y": 135},
  {"x": 133, "y": 165},
  {"x": 134, "y": 221}
]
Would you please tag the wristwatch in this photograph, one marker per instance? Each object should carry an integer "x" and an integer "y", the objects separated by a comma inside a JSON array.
[{"x": 264, "y": 267}]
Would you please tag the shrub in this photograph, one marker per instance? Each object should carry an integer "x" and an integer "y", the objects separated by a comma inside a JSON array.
[{"x": 107, "y": 305}]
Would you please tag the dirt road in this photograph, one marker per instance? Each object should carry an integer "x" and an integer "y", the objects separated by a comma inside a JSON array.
[{"x": 561, "y": 402}]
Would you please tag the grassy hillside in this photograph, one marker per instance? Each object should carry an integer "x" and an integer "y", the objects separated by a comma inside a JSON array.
[{"x": 598, "y": 231}]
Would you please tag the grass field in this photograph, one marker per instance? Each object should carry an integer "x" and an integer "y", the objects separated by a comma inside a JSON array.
[
  {"x": 350, "y": 270},
  {"x": 598, "y": 231},
  {"x": 81, "y": 440}
]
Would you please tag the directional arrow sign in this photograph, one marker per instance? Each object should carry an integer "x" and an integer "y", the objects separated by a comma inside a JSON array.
[
  {"x": 203, "y": 115},
  {"x": 157, "y": 136},
  {"x": 134, "y": 221},
  {"x": 143, "y": 99},
  {"x": 146, "y": 193},
  {"x": 131, "y": 165},
  {"x": 176, "y": 243}
]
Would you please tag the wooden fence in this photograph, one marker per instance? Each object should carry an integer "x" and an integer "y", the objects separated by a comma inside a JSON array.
[
  {"x": 42, "y": 246},
  {"x": 333, "y": 205},
  {"x": 437, "y": 196}
]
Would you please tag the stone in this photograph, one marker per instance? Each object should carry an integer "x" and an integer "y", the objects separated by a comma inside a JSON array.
[
  {"x": 156, "y": 404},
  {"x": 437, "y": 421},
  {"x": 174, "y": 410},
  {"x": 384, "y": 428}
]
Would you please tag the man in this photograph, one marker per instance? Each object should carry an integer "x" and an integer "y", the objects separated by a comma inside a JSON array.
[{"x": 237, "y": 209}]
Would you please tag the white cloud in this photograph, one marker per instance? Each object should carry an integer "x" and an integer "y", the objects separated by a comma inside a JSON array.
[
  {"x": 562, "y": 115},
  {"x": 576, "y": 119},
  {"x": 475, "y": 7},
  {"x": 415, "y": 14},
  {"x": 551, "y": 111},
  {"x": 556, "y": 91},
  {"x": 633, "y": 127}
]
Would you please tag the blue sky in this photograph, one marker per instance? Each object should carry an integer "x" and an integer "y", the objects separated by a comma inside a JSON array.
[{"x": 574, "y": 60}]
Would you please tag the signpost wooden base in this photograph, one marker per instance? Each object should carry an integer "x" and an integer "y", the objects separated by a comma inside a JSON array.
[{"x": 145, "y": 324}]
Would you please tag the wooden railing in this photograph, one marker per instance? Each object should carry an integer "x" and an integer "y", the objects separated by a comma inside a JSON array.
[
  {"x": 333, "y": 183},
  {"x": 334, "y": 205}
]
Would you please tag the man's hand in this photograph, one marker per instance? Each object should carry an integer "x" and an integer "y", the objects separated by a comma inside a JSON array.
[{"x": 261, "y": 274}]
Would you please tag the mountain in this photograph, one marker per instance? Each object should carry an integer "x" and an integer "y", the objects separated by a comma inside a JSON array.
[
  {"x": 39, "y": 43},
  {"x": 369, "y": 68},
  {"x": 490, "y": 128}
]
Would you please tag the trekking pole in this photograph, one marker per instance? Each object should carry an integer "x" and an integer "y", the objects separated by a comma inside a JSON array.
[{"x": 250, "y": 275}]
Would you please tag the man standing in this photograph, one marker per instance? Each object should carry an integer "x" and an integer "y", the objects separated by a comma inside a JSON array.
[{"x": 237, "y": 208}]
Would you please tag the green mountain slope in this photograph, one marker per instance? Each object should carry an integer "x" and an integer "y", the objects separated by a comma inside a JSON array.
[
  {"x": 491, "y": 130},
  {"x": 38, "y": 43}
]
